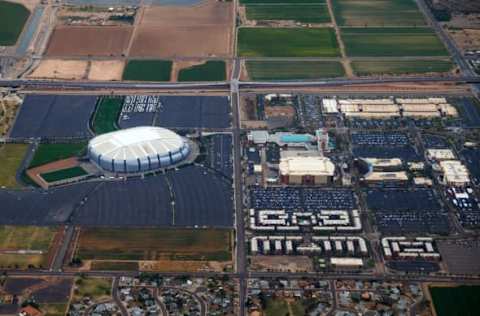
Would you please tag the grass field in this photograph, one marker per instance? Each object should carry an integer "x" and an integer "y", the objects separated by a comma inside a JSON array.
[
  {"x": 456, "y": 301},
  {"x": 147, "y": 70},
  {"x": 292, "y": 70},
  {"x": 287, "y": 42},
  {"x": 63, "y": 174},
  {"x": 13, "y": 17},
  {"x": 154, "y": 244},
  {"x": 303, "y": 13},
  {"x": 11, "y": 157},
  {"x": 363, "y": 42},
  {"x": 47, "y": 153},
  {"x": 95, "y": 288},
  {"x": 25, "y": 238},
  {"x": 54, "y": 309},
  {"x": 106, "y": 115},
  {"x": 377, "y": 13},
  {"x": 114, "y": 266},
  {"x": 401, "y": 67},
  {"x": 210, "y": 71}
]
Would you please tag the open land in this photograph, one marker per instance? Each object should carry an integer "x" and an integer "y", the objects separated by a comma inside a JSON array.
[
  {"x": 365, "y": 42},
  {"x": 208, "y": 71},
  {"x": 106, "y": 70},
  {"x": 401, "y": 67},
  {"x": 8, "y": 110},
  {"x": 60, "y": 69},
  {"x": 11, "y": 157},
  {"x": 147, "y": 70},
  {"x": 187, "y": 31},
  {"x": 106, "y": 115},
  {"x": 98, "y": 289},
  {"x": 89, "y": 41},
  {"x": 377, "y": 13},
  {"x": 293, "y": 70},
  {"x": 154, "y": 244},
  {"x": 30, "y": 238},
  {"x": 303, "y": 13},
  {"x": 287, "y": 42},
  {"x": 455, "y": 301},
  {"x": 13, "y": 17}
]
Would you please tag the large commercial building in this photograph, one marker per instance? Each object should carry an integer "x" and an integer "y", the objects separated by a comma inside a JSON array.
[
  {"x": 137, "y": 149},
  {"x": 306, "y": 170}
]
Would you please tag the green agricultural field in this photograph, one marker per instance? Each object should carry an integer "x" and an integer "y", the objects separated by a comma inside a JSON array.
[
  {"x": 63, "y": 174},
  {"x": 401, "y": 67},
  {"x": 47, "y": 153},
  {"x": 210, "y": 71},
  {"x": 154, "y": 244},
  {"x": 13, "y": 17},
  {"x": 303, "y": 13},
  {"x": 377, "y": 13},
  {"x": 396, "y": 42},
  {"x": 287, "y": 42},
  {"x": 25, "y": 238},
  {"x": 293, "y": 70},
  {"x": 11, "y": 157},
  {"x": 106, "y": 115},
  {"x": 147, "y": 70},
  {"x": 456, "y": 301}
]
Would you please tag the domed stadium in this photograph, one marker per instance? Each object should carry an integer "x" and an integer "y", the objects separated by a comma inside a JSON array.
[{"x": 138, "y": 149}]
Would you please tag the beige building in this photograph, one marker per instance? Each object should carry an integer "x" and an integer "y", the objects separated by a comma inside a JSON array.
[
  {"x": 454, "y": 172},
  {"x": 306, "y": 170}
]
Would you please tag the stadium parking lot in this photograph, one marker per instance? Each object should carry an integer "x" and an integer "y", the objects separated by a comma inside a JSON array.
[
  {"x": 194, "y": 112},
  {"x": 434, "y": 141},
  {"x": 383, "y": 145},
  {"x": 308, "y": 199},
  {"x": 398, "y": 211},
  {"x": 54, "y": 116},
  {"x": 219, "y": 153}
]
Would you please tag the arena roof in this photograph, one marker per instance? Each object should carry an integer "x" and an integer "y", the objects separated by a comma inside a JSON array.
[{"x": 306, "y": 166}]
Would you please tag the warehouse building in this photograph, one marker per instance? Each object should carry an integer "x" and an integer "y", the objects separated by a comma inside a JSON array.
[
  {"x": 454, "y": 173},
  {"x": 138, "y": 149},
  {"x": 306, "y": 170}
]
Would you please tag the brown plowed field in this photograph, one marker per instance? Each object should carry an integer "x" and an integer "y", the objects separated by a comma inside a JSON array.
[
  {"x": 89, "y": 41},
  {"x": 175, "y": 31}
]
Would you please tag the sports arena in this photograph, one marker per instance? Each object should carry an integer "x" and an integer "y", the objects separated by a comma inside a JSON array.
[{"x": 138, "y": 149}]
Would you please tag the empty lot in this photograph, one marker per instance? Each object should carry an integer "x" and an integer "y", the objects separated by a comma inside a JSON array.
[
  {"x": 89, "y": 41},
  {"x": 197, "y": 31},
  {"x": 154, "y": 244}
]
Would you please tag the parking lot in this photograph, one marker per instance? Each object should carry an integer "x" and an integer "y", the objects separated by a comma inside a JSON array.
[
  {"x": 383, "y": 145},
  {"x": 138, "y": 110},
  {"x": 398, "y": 211},
  {"x": 308, "y": 112},
  {"x": 472, "y": 157},
  {"x": 54, "y": 116},
  {"x": 434, "y": 141},
  {"x": 393, "y": 123},
  {"x": 461, "y": 256},
  {"x": 393, "y": 139},
  {"x": 308, "y": 199},
  {"x": 132, "y": 202},
  {"x": 219, "y": 153},
  {"x": 194, "y": 112}
]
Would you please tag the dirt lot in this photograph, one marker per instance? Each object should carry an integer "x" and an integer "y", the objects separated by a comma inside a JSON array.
[
  {"x": 183, "y": 266},
  {"x": 281, "y": 263},
  {"x": 467, "y": 39},
  {"x": 106, "y": 70},
  {"x": 34, "y": 173},
  {"x": 89, "y": 41},
  {"x": 175, "y": 31},
  {"x": 60, "y": 69}
]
